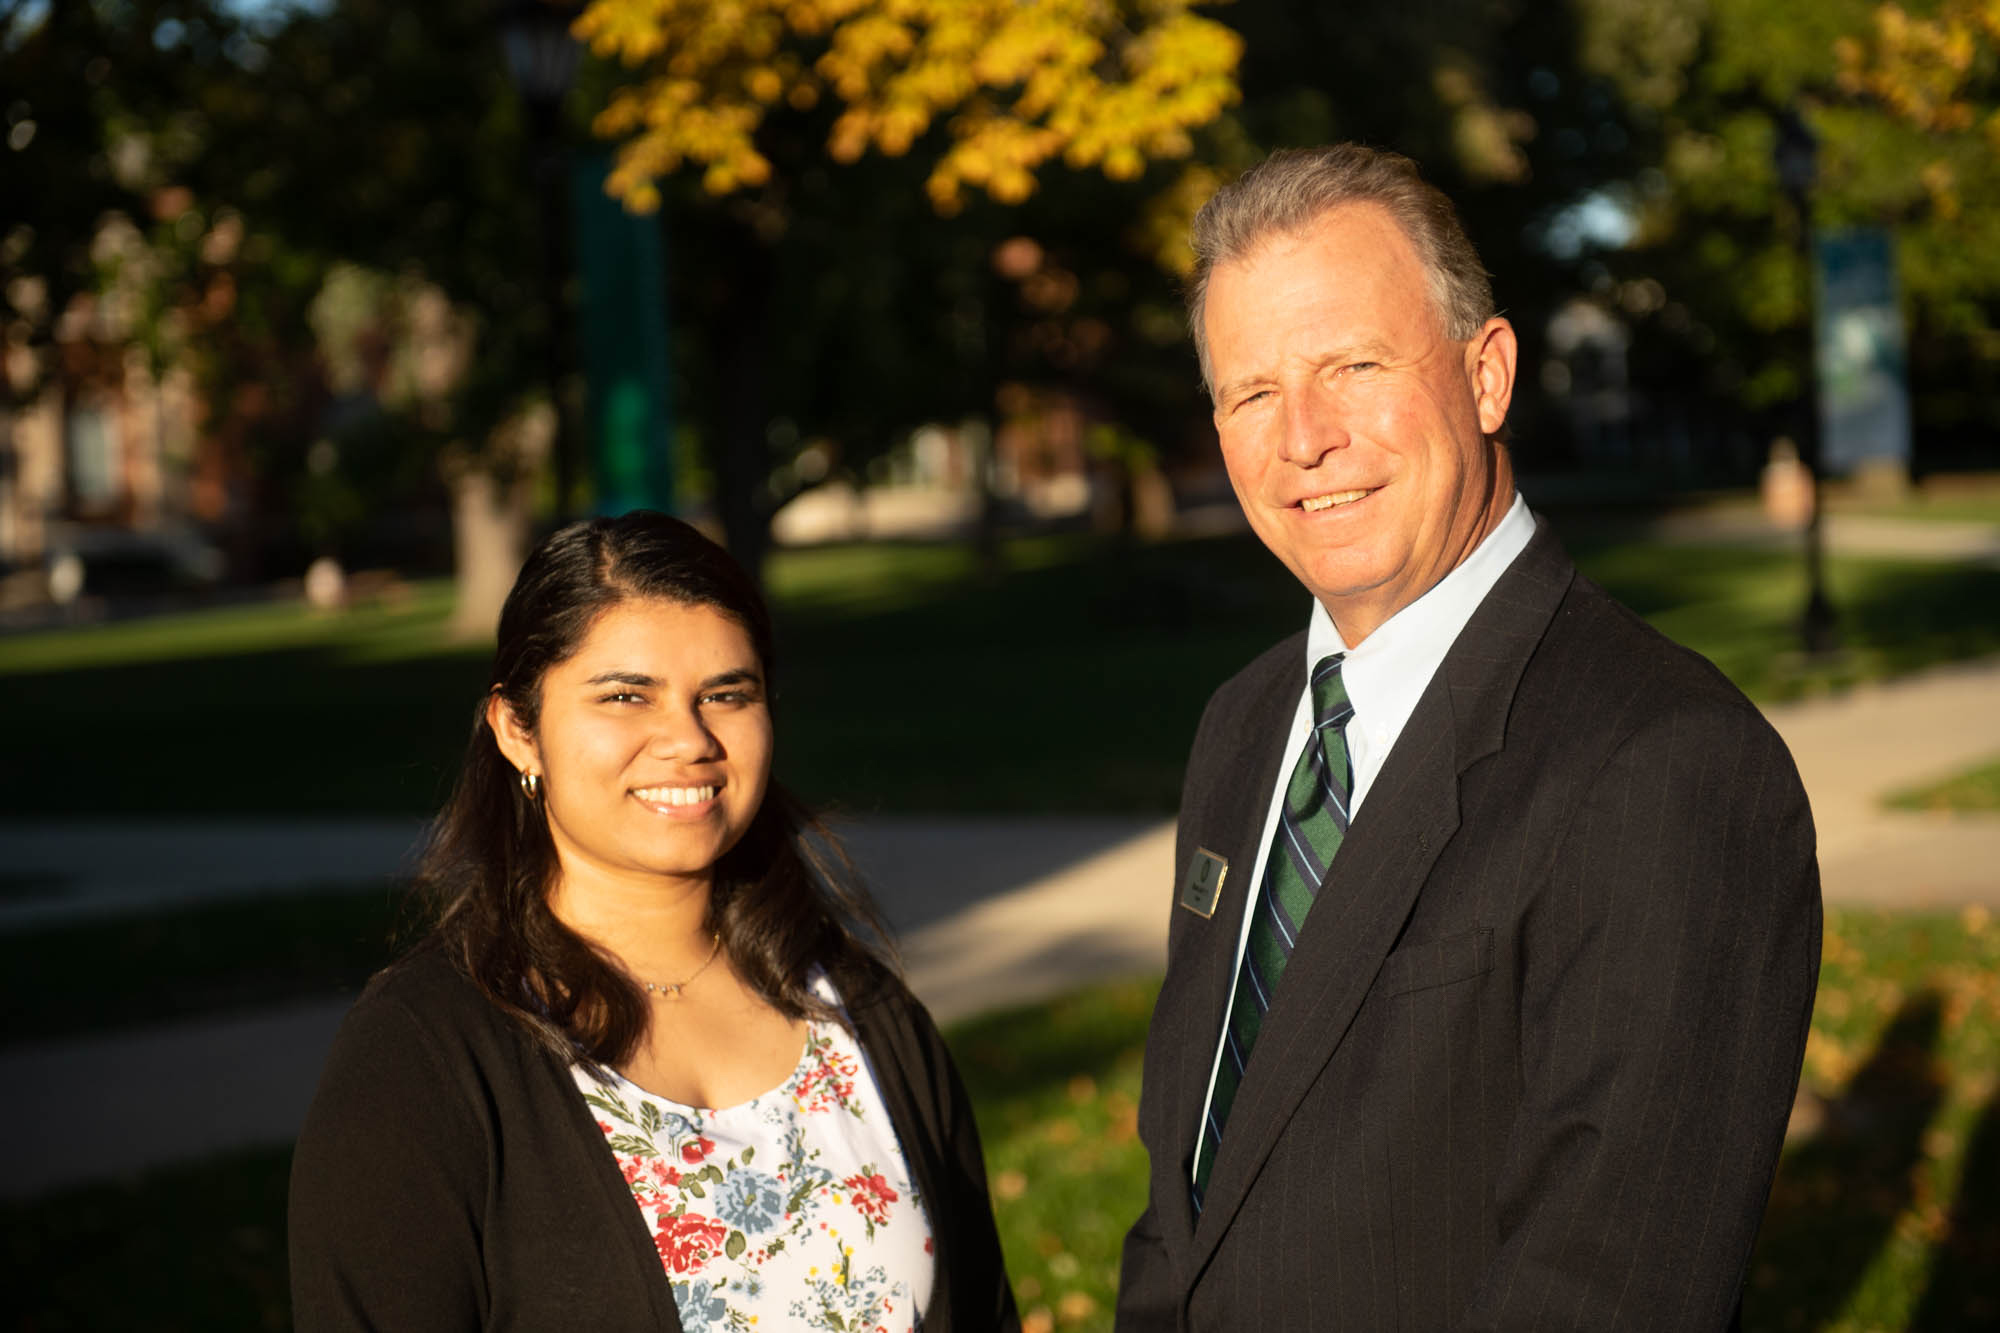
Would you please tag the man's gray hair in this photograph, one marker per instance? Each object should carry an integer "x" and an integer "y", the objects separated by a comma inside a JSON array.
[{"x": 1289, "y": 190}]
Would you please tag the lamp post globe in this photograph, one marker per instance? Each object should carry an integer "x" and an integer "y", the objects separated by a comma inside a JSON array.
[{"x": 541, "y": 54}]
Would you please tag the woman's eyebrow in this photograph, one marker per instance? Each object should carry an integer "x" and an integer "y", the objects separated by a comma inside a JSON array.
[
  {"x": 737, "y": 676},
  {"x": 639, "y": 678}
]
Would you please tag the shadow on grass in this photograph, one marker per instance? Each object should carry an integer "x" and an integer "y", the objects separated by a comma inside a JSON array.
[
  {"x": 104, "y": 974},
  {"x": 908, "y": 680},
  {"x": 1068, "y": 684},
  {"x": 1964, "y": 1288},
  {"x": 195, "y": 1248},
  {"x": 1066, "y": 688},
  {"x": 1835, "y": 1203},
  {"x": 295, "y": 731},
  {"x": 1913, "y": 615},
  {"x": 1742, "y": 610}
]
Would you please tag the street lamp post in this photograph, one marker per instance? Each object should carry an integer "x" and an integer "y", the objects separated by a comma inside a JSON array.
[
  {"x": 1796, "y": 156},
  {"x": 541, "y": 58}
]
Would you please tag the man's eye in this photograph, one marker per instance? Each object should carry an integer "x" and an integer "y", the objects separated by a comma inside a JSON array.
[
  {"x": 622, "y": 697},
  {"x": 729, "y": 697}
]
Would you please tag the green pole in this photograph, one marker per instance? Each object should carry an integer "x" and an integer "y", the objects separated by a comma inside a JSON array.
[{"x": 621, "y": 263}]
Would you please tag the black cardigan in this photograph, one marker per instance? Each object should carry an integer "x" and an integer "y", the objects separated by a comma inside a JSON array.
[{"x": 450, "y": 1176}]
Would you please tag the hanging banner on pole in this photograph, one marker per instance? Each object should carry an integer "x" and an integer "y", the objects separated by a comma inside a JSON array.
[{"x": 1864, "y": 392}]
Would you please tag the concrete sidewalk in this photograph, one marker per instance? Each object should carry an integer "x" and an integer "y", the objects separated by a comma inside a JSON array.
[
  {"x": 1958, "y": 541},
  {"x": 993, "y": 912},
  {"x": 1855, "y": 748}
]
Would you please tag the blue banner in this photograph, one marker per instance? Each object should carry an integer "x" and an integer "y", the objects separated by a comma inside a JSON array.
[{"x": 1864, "y": 393}]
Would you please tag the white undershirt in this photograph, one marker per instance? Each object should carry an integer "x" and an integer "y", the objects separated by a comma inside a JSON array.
[{"x": 1384, "y": 676}]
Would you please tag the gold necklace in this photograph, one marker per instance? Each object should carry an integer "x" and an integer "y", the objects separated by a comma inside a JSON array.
[{"x": 673, "y": 991}]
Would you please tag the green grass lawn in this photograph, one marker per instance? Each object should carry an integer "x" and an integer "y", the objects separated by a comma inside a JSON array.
[
  {"x": 1976, "y": 791},
  {"x": 1970, "y": 497},
  {"x": 908, "y": 680},
  {"x": 1886, "y": 1214}
]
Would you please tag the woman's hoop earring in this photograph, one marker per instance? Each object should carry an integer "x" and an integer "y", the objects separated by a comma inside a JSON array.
[{"x": 531, "y": 785}]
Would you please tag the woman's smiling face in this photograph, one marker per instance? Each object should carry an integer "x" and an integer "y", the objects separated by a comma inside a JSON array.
[{"x": 653, "y": 743}]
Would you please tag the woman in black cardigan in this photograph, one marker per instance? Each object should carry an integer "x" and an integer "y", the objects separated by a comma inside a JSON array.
[{"x": 646, "y": 1072}]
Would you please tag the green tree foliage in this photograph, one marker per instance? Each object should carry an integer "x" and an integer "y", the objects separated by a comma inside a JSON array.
[
  {"x": 98, "y": 99},
  {"x": 1491, "y": 98},
  {"x": 1901, "y": 103},
  {"x": 229, "y": 167}
]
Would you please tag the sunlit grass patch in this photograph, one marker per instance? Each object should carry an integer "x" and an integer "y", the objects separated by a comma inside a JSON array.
[
  {"x": 1057, "y": 1087},
  {"x": 1886, "y": 1213},
  {"x": 1974, "y": 791},
  {"x": 405, "y": 619}
]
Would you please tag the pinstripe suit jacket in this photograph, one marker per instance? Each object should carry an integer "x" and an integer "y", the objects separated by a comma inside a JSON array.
[{"x": 1531, "y": 1063}]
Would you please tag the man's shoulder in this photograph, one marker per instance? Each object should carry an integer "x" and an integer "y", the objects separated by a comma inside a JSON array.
[
  {"x": 1278, "y": 669},
  {"x": 1253, "y": 703},
  {"x": 1599, "y": 660}
]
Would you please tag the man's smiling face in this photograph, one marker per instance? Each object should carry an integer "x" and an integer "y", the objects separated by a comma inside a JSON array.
[{"x": 1356, "y": 434}]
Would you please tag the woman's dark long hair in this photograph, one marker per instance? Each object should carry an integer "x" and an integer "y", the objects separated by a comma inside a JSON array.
[{"x": 784, "y": 898}]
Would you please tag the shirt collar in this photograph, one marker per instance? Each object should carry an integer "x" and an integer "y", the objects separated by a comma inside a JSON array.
[{"x": 1389, "y": 672}]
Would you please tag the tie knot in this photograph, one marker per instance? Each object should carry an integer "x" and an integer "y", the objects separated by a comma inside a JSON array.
[{"x": 1329, "y": 695}]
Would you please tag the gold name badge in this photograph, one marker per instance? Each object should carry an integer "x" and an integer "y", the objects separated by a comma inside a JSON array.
[{"x": 1201, "y": 886}]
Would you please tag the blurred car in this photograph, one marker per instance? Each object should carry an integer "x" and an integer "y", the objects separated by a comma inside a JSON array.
[{"x": 124, "y": 562}]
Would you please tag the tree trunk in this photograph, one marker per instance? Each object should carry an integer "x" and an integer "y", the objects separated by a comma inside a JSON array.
[
  {"x": 489, "y": 540},
  {"x": 492, "y": 516}
]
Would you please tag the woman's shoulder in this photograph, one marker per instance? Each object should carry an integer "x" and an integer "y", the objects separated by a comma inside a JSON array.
[
  {"x": 424, "y": 999},
  {"x": 866, "y": 982},
  {"x": 425, "y": 978},
  {"x": 886, "y": 1013},
  {"x": 423, "y": 1035}
]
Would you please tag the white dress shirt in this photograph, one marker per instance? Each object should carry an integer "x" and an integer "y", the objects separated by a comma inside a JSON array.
[{"x": 1384, "y": 677}]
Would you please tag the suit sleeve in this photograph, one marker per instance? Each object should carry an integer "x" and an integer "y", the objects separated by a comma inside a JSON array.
[
  {"x": 1145, "y": 1279},
  {"x": 386, "y": 1185},
  {"x": 1667, "y": 971}
]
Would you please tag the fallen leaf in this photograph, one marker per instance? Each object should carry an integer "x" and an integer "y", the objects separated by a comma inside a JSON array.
[{"x": 1075, "y": 1306}]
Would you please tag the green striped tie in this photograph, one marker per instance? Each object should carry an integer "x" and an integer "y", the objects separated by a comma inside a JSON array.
[{"x": 1310, "y": 828}]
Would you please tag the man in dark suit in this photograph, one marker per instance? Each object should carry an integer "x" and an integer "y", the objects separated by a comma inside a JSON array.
[{"x": 1498, "y": 919}]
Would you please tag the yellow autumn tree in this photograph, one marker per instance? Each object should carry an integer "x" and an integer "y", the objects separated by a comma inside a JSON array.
[
  {"x": 984, "y": 94},
  {"x": 1105, "y": 84},
  {"x": 1927, "y": 68},
  {"x": 1938, "y": 73}
]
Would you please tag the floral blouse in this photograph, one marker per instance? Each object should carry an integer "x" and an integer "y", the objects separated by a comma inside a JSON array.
[{"x": 794, "y": 1209}]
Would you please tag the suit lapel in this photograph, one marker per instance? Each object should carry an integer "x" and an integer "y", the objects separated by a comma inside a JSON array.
[{"x": 1411, "y": 811}]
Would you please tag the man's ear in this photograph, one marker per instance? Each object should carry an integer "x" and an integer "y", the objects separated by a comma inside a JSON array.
[
  {"x": 1489, "y": 363},
  {"x": 516, "y": 742}
]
